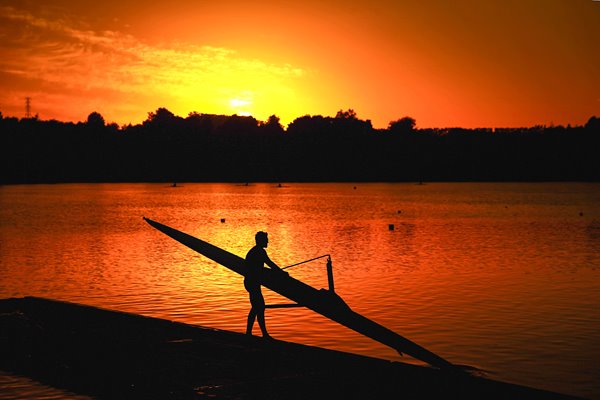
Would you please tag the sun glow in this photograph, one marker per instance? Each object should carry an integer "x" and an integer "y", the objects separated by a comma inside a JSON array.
[
  {"x": 123, "y": 77},
  {"x": 241, "y": 107},
  {"x": 444, "y": 65}
]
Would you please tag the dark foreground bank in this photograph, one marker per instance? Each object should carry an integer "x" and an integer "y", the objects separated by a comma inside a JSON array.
[{"x": 108, "y": 354}]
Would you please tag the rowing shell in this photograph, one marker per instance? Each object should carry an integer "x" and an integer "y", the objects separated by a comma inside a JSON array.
[{"x": 322, "y": 301}]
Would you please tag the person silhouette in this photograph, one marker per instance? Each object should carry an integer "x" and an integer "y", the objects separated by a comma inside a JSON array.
[{"x": 255, "y": 260}]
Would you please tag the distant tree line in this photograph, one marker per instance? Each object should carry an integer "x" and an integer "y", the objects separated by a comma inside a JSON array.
[{"x": 210, "y": 148}]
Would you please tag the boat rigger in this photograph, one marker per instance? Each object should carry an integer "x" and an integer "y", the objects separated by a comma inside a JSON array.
[{"x": 323, "y": 301}]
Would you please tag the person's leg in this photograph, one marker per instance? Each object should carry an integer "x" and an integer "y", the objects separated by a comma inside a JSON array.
[
  {"x": 261, "y": 322},
  {"x": 259, "y": 306},
  {"x": 250, "y": 324},
  {"x": 255, "y": 306}
]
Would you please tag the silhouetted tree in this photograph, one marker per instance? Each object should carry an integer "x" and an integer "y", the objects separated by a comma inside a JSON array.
[
  {"x": 593, "y": 124},
  {"x": 113, "y": 127},
  {"x": 164, "y": 125},
  {"x": 237, "y": 125},
  {"x": 274, "y": 122},
  {"x": 403, "y": 125},
  {"x": 309, "y": 126},
  {"x": 206, "y": 147},
  {"x": 199, "y": 125},
  {"x": 349, "y": 114},
  {"x": 95, "y": 120},
  {"x": 161, "y": 116},
  {"x": 272, "y": 127}
]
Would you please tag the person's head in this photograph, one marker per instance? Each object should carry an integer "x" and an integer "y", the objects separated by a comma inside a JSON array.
[{"x": 262, "y": 239}]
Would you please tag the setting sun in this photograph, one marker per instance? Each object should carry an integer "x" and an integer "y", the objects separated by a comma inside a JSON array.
[{"x": 241, "y": 106}]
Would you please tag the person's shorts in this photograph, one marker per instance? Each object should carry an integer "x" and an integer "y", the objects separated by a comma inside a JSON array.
[{"x": 256, "y": 298}]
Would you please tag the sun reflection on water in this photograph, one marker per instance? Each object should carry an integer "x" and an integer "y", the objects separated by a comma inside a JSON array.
[{"x": 498, "y": 276}]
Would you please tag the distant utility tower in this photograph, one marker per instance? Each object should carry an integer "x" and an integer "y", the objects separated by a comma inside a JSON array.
[{"x": 27, "y": 107}]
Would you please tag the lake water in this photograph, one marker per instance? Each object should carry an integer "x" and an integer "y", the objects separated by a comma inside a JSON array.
[{"x": 504, "y": 277}]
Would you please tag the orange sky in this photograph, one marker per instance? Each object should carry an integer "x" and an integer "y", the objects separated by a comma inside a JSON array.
[{"x": 445, "y": 63}]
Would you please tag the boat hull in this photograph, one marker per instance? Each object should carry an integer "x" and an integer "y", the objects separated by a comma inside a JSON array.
[{"x": 322, "y": 301}]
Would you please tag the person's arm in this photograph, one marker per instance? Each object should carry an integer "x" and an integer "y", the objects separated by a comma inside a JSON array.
[{"x": 270, "y": 263}]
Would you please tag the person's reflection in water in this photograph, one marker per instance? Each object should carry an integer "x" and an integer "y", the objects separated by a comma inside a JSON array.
[{"x": 255, "y": 260}]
